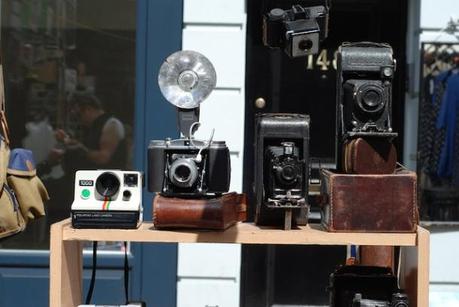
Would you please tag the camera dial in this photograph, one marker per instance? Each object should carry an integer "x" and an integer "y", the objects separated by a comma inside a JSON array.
[
  {"x": 370, "y": 98},
  {"x": 183, "y": 173},
  {"x": 107, "y": 184}
]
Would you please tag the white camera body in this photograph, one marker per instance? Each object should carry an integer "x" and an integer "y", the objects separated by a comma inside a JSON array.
[{"x": 107, "y": 199}]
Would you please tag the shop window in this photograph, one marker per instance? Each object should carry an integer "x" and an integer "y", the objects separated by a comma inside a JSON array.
[{"x": 69, "y": 69}]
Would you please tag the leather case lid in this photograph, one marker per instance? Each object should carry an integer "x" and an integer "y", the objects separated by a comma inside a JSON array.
[
  {"x": 205, "y": 213},
  {"x": 370, "y": 156},
  {"x": 376, "y": 203}
]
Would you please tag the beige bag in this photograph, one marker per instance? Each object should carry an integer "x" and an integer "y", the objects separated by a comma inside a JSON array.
[
  {"x": 21, "y": 192},
  {"x": 11, "y": 220},
  {"x": 22, "y": 178}
]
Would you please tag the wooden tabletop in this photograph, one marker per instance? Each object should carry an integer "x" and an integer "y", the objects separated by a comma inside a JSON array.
[{"x": 243, "y": 233}]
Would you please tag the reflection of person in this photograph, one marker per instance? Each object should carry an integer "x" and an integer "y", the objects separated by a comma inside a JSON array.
[{"x": 102, "y": 144}]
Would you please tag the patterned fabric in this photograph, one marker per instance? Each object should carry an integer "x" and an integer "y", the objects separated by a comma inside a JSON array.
[
  {"x": 426, "y": 122},
  {"x": 447, "y": 120},
  {"x": 434, "y": 137},
  {"x": 456, "y": 150}
]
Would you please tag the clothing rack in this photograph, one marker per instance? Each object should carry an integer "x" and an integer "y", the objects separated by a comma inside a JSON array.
[{"x": 438, "y": 182}]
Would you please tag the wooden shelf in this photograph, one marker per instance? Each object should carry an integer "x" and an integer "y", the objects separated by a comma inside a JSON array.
[
  {"x": 243, "y": 233},
  {"x": 66, "y": 251}
]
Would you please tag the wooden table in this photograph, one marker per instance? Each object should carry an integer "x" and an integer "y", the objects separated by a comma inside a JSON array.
[{"x": 66, "y": 251}]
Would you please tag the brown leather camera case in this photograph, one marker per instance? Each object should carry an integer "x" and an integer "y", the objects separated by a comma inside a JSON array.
[
  {"x": 200, "y": 213},
  {"x": 369, "y": 203},
  {"x": 369, "y": 156}
]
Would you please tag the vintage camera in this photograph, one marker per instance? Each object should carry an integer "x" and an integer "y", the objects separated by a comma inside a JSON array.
[
  {"x": 187, "y": 167},
  {"x": 364, "y": 89},
  {"x": 107, "y": 199},
  {"x": 281, "y": 169},
  {"x": 284, "y": 182},
  {"x": 175, "y": 169},
  {"x": 398, "y": 300},
  {"x": 298, "y": 30}
]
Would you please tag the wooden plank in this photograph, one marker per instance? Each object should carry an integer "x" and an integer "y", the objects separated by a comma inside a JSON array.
[
  {"x": 423, "y": 267},
  {"x": 243, "y": 233},
  {"x": 65, "y": 269},
  {"x": 414, "y": 271}
]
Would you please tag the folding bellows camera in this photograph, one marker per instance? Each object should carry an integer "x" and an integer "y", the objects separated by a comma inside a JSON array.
[
  {"x": 174, "y": 169},
  {"x": 281, "y": 169},
  {"x": 364, "y": 89},
  {"x": 187, "y": 167}
]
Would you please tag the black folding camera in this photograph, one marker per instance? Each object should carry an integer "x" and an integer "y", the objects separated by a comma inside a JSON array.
[
  {"x": 187, "y": 167},
  {"x": 398, "y": 300},
  {"x": 285, "y": 180},
  {"x": 298, "y": 30},
  {"x": 364, "y": 89},
  {"x": 179, "y": 167},
  {"x": 281, "y": 169},
  {"x": 365, "y": 286}
]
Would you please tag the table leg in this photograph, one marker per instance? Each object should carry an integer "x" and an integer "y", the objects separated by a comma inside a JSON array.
[
  {"x": 414, "y": 271},
  {"x": 65, "y": 270}
]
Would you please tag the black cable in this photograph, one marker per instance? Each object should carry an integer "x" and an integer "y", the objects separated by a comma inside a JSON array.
[
  {"x": 93, "y": 274},
  {"x": 126, "y": 272}
]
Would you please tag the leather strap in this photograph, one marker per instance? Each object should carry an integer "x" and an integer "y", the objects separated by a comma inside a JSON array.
[{"x": 4, "y": 125}]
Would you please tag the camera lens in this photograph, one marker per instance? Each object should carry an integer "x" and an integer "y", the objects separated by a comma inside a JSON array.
[
  {"x": 288, "y": 173},
  {"x": 399, "y": 300},
  {"x": 305, "y": 44},
  {"x": 183, "y": 173},
  {"x": 370, "y": 98},
  {"x": 107, "y": 184}
]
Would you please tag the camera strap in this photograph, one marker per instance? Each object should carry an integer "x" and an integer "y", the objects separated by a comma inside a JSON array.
[
  {"x": 93, "y": 274},
  {"x": 94, "y": 269},
  {"x": 126, "y": 272}
]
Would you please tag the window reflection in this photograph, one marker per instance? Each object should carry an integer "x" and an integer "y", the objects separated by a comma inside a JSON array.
[{"x": 69, "y": 71}]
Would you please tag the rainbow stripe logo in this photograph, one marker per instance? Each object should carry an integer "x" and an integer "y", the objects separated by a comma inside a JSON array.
[{"x": 106, "y": 204}]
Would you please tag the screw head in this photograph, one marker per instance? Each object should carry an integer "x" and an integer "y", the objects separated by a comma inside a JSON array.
[{"x": 260, "y": 102}]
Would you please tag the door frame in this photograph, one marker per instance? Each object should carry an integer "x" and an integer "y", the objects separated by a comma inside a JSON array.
[{"x": 158, "y": 35}]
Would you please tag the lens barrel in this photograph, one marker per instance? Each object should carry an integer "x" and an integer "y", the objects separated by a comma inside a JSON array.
[
  {"x": 183, "y": 173},
  {"x": 107, "y": 184},
  {"x": 370, "y": 98}
]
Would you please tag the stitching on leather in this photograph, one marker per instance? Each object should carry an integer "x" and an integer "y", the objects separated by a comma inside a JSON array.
[{"x": 331, "y": 201}]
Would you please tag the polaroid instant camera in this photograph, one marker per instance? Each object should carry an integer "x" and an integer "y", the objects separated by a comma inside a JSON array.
[{"x": 107, "y": 199}]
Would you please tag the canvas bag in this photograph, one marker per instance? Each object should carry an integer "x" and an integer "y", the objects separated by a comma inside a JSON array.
[
  {"x": 21, "y": 192},
  {"x": 11, "y": 220},
  {"x": 22, "y": 178}
]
